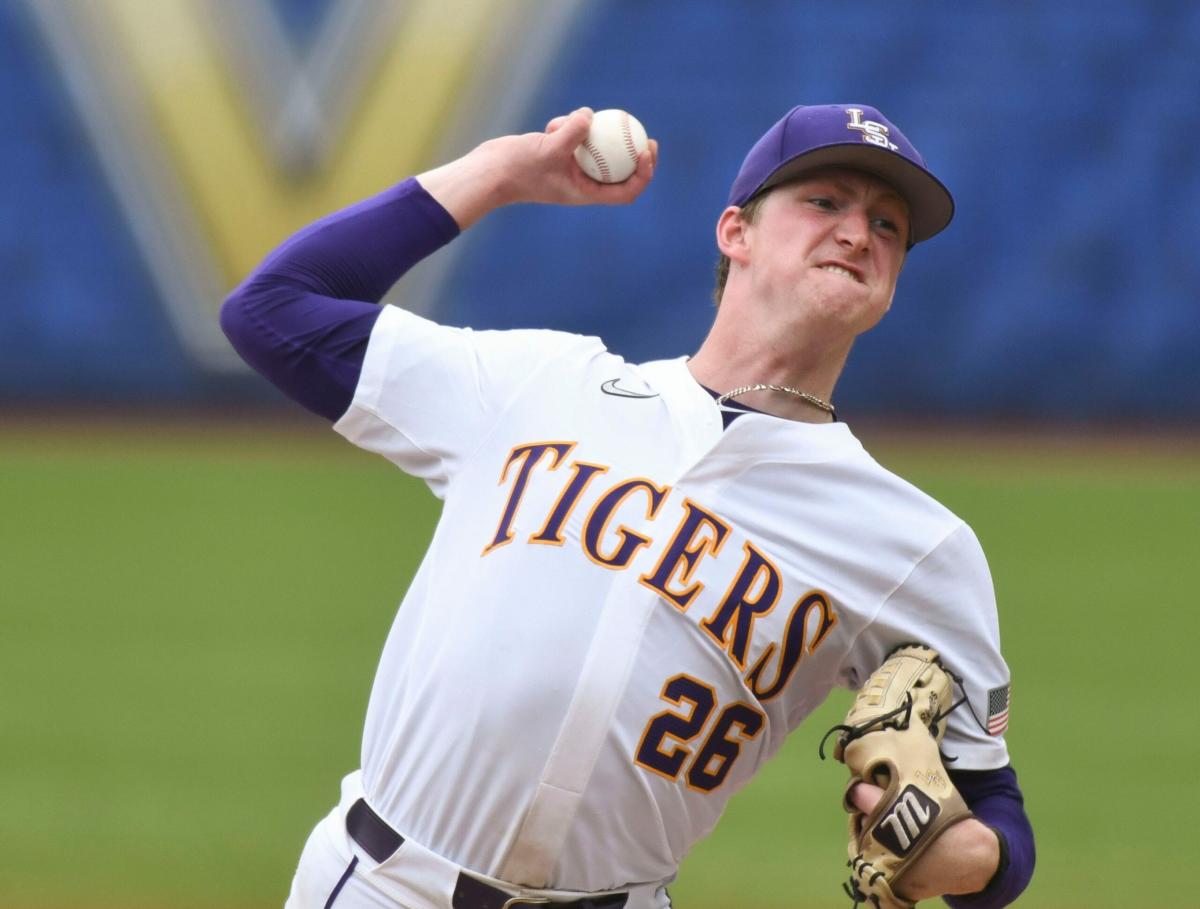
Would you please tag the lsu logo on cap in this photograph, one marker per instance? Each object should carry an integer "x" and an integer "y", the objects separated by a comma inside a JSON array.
[{"x": 872, "y": 131}]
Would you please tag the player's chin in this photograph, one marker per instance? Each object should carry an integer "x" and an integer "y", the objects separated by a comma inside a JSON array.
[
  {"x": 841, "y": 298},
  {"x": 839, "y": 288},
  {"x": 869, "y": 317},
  {"x": 854, "y": 315}
]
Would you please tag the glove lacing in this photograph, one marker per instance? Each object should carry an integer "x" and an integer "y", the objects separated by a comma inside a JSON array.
[
  {"x": 850, "y": 733},
  {"x": 860, "y": 867}
]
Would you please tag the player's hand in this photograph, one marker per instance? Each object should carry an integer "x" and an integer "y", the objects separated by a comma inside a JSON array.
[
  {"x": 531, "y": 167},
  {"x": 566, "y": 133},
  {"x": 962, "y": 860}
]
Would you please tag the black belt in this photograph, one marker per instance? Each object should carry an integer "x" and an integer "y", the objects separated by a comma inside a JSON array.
[
  {"x": 372, "y": 832},
  {"x": 380, "y": 841}
]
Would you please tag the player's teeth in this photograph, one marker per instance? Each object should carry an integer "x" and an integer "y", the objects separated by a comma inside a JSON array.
[{"x": 837, "y": 270}]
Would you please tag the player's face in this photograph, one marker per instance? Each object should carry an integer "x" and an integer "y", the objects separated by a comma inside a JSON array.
[{"x": 831, "y": 244}]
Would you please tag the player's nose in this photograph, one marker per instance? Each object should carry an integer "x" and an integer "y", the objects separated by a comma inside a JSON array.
[{"x": 853, "y": 229}]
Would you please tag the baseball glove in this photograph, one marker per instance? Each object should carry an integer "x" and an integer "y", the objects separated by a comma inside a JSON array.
[{"x": 892, "y": 737}]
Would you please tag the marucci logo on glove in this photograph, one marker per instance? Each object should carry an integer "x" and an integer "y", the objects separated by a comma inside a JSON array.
[{"x": 902, "y": 826}]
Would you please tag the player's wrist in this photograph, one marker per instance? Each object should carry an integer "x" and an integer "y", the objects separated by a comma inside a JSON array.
[
  {"x": 471, "y": 186},
  {"x": 979, "y": 851},
  {"x": 496, "y": 166},
  {"x": 961, "y": 862}
]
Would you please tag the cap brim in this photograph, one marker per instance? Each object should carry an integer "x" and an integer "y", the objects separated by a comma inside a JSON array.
[{"x": 930, "y": 205}]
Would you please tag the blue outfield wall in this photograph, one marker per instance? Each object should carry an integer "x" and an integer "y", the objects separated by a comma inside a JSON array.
[{"x": 1065, "y": 289}]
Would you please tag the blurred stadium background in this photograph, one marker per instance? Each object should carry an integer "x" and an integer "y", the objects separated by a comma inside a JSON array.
[{"x": 195, "y": 578}]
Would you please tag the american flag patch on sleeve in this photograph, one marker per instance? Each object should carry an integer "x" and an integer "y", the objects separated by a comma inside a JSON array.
[{"x": 998, "y": 703}]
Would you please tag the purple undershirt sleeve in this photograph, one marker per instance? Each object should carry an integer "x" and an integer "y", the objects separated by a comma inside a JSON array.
[
  {"x": 996, "y": 800},
  {"x": 303, "y": 317}
]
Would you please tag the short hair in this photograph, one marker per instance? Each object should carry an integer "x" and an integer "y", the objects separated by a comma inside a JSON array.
[{"x": 749, "y": 215}]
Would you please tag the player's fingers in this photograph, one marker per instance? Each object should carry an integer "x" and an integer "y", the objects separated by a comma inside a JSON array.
[
  {"x": 647, "y": 162},
  {"x": 865, "y": 797},
  {"x": 616, "y": 193},
  {"x": 556, "y": 123},
  {"x": 572, "y": 129},
  {"x": 628, "y": 190}
]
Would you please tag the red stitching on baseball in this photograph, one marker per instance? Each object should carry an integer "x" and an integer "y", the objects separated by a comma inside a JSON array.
[
  {"x": 597, "y": 159},
  {"x": 627, "y": 132}
]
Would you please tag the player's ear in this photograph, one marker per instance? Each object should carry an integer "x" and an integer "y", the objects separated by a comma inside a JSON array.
[{"x": 731, "y": 235}]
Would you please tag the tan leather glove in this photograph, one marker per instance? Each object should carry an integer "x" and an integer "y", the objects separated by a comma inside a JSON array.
[{"x": 891, "y": 738}]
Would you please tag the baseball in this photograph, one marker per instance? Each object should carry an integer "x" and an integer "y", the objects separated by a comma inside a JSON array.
[{"x": 610, "y": 152}]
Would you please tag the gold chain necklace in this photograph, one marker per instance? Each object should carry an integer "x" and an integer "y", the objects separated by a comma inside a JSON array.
[{"x": 795, "y": 392}]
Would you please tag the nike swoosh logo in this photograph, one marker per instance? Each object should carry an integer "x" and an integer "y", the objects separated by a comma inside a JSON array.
[{"x": 611, "y": 388}]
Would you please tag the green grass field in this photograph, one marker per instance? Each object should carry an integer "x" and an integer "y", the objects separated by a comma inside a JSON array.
[{"x": 190, "y": 619}]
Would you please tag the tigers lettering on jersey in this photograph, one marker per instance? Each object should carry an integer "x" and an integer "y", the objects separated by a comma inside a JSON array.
[
  {"x": 551, "y": 532},
  {"x": 528, "y": 457},
  {"x": 596, "y": 525},
  {"x": 700, "y": 533},
  {"x": 752, "y": 592}
]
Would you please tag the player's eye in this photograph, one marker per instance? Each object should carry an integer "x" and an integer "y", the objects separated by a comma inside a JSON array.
[
  {"x": 888, "y": 225},
  {"x": 822, "y": 202}
]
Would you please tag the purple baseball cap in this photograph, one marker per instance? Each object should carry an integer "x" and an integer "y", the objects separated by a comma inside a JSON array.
[{"x": 856, "y": 136}]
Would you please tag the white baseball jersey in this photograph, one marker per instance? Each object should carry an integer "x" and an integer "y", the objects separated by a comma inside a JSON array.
[{"x": 625, "y": 609}]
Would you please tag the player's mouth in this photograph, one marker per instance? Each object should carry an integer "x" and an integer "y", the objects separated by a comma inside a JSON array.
[{"x": 842, "y": 270}]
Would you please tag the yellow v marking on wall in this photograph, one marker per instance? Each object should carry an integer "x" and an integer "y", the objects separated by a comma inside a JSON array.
[{"x": 218, "y": 155}]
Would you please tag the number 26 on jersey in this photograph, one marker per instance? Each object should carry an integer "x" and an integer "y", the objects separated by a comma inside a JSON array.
[{"x": 684, "y": 741}]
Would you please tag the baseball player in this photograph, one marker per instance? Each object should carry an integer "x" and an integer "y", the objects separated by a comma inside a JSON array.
[{"x": 645, "y": 575}]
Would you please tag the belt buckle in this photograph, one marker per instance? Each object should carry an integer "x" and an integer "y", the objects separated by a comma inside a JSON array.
[{"x": 526, "y": 901}]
